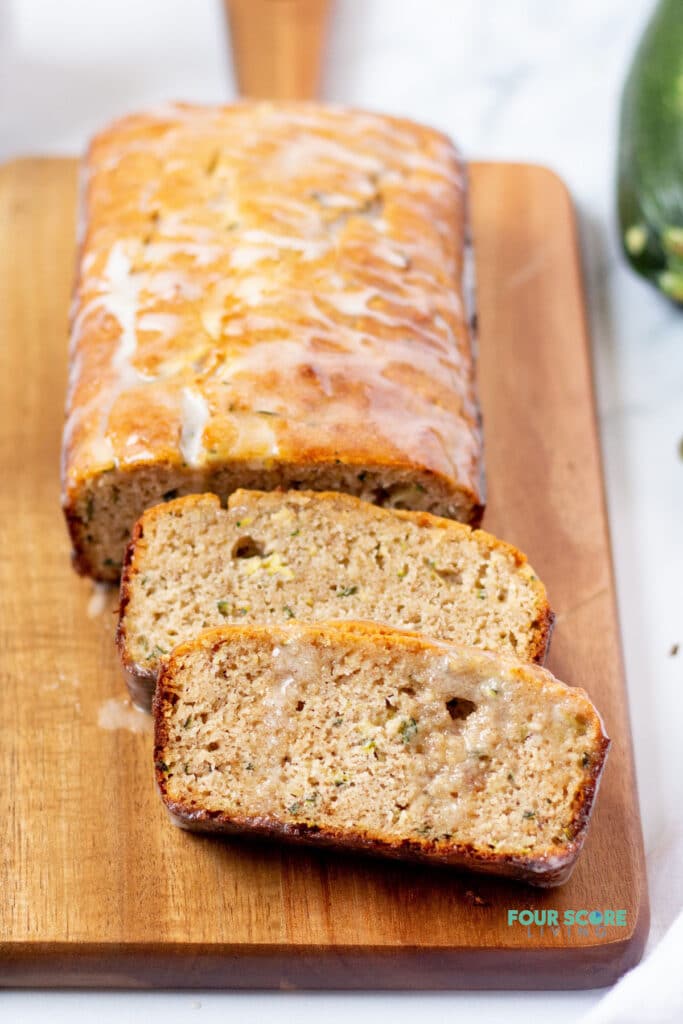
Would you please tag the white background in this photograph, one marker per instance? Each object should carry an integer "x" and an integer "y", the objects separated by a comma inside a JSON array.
[{"x": 533, "y": 80}]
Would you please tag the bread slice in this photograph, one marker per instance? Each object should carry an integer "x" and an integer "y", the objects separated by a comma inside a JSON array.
[
  {"x": 275, "y": 556},
  {"x": 373, "y": 739}
]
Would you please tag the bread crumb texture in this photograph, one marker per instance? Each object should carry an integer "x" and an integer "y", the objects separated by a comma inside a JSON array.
[
  {"x": 272, "y": 557},
  {"x": 365, "y": 734}
]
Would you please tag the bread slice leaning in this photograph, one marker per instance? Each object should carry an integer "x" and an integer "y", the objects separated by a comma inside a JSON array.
[
  {"x": 367, "y": 738},
  {"x": 276, "y": 556}
]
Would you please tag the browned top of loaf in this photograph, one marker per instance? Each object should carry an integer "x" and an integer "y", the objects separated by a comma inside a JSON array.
[{"x": 272, "y": 282}]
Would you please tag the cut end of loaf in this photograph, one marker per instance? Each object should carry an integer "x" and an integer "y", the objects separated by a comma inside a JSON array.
[
  {"x": 273, "y": 557},
  {"x": 342, "y": 734},
  {"x": 102, "y": 510}
]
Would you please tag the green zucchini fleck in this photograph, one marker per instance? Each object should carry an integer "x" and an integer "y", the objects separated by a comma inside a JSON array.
[{"x": 408, "y": 729}]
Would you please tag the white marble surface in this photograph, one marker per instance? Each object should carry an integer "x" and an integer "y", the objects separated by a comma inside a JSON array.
[{"x": 533, "y": 80}]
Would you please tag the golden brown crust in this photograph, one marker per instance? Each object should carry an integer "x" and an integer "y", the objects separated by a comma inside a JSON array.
[
  {"x": 543, "y": 872},
  {"x": 542, "y": 634},
  {"x": 275, "y": 286},
  {"x": 141, "y": 680},
  {"x": 543, "y": 869}
]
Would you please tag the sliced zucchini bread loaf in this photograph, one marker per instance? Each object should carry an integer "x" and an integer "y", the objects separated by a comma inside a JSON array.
[
  {"x": 274, "y": 556},
  {"x": 367, "y": 738}
]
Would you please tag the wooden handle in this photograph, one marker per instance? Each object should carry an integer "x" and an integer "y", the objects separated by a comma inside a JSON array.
[{"x": 277, "y": 46}]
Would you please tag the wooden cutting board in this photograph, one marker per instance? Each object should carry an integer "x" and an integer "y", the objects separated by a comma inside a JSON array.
[{"x": 98, "y": 889}]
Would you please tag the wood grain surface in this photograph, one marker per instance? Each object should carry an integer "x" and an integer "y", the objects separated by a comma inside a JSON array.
[
  {"x": 98, "y": 889},
  {"x": 277, "y": 46}
]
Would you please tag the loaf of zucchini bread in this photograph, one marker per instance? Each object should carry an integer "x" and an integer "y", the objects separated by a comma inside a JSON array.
[
  {"x": 275, "y": 556},
  {"x": 367, "y": 738},
  {"x": 268, "y": 295}
]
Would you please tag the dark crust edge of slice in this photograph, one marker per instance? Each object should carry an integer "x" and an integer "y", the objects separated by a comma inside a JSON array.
[
  {"x": 540, "y": 646},
  {"x": 80, "y": 562},
  {"x": 546, "y": 870},
  {"x": 140, "y": 680}
]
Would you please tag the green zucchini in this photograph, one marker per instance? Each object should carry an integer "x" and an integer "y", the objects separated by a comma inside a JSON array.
[{"x": 650, "y": 169}]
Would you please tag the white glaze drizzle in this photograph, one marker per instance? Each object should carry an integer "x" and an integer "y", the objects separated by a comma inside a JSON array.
[
  {"x": 201, "y": 253},
  {"x": 310, "y": 249},
  {"x": 367, "y": 153},
  {"x": 164, "y": 325},
  {"x": 118, "y": 297},
  {"x": 195, "y": 416}
]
